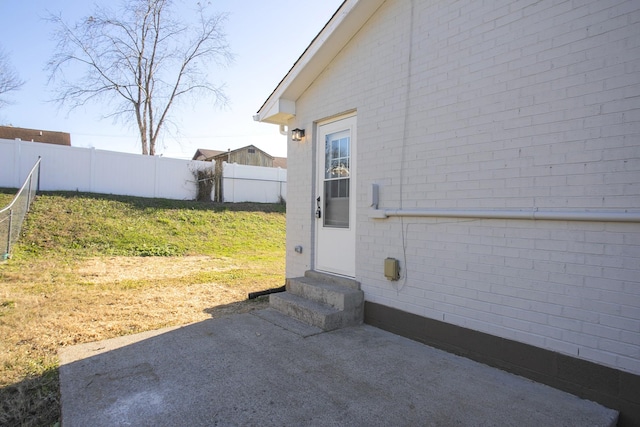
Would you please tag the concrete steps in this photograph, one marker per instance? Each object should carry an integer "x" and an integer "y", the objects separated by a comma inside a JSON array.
[{"x": 322, "y": 300}]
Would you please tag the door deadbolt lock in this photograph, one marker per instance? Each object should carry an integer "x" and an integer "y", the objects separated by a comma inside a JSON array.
[{"x": 318, "y": 210}]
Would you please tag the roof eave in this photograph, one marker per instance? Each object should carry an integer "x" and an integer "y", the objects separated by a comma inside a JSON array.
[
  {"x": 280, "y": 107},
  {"x": 279, "y": 111}
]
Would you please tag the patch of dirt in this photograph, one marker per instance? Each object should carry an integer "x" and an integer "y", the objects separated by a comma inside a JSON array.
[
  {"x": 108, "y": 297},
  {"x": 119, "y": 268}
]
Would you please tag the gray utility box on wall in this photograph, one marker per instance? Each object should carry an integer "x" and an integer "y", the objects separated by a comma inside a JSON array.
[{"x": 391, "y": 269}]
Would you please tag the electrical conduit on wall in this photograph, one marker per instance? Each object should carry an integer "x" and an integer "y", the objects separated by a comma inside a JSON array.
[{"x": 611, "y": 216}]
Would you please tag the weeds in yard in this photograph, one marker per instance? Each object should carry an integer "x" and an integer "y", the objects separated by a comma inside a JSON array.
[{"x": 93, "y": 267}]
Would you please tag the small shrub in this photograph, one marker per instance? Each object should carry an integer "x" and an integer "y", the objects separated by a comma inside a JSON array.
[{"x": 205, "y": 180}]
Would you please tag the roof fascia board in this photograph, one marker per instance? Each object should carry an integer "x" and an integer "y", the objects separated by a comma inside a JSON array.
[{"x": 343, "y": 25}]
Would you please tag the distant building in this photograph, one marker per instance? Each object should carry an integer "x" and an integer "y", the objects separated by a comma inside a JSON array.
[
  {"x": 249, "y": 155},
  {"x": 280, "y": 162},
  {"x": 34, "y": 135},
  {"x": 205, "y": 154}
]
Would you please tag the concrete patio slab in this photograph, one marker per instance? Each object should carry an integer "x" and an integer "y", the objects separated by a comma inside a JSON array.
[{"x": 264, "y": 369}]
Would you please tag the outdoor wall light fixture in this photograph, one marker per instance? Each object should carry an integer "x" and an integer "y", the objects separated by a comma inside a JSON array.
[{"x": 297, "y": 134}]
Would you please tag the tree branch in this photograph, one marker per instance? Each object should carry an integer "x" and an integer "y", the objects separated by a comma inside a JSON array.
[{"x": 140, "y": 55}]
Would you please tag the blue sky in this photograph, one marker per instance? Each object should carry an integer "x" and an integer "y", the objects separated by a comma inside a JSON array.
[{"x": 266, "y": 36}]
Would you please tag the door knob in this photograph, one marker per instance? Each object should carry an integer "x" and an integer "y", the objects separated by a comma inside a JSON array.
[{"x": 318, "y": 210}]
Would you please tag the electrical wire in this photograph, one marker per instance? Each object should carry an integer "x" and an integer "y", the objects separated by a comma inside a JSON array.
[{"x": 403, "y": 271}]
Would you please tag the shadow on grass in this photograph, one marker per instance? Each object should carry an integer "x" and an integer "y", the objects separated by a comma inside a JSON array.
[
  {"x": 143, "y": 203},
  {"x": 34, "y": 401}
]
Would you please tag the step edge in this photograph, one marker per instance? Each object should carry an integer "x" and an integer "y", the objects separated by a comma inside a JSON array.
[{"x": 345, "y": 281}]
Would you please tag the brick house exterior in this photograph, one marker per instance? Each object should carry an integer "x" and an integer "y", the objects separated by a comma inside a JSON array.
[{"x": 498, "y": 161}]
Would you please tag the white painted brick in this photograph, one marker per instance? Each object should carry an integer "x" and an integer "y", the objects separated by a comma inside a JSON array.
[
  {"x": 619, "y": 348},
  {"x": 547, "y": 331},
  {"x": 632, "y": 325},
  {"x": 605, "y": 261},
  {"x": 579, "y": 339},
  {"x": 621, "y": 274},
  {"x": 600, "y": 356},
  {"x": 630, "y": 337},
  {"x": 629, "y": 311},
  {"x": 520, "y": 106},
  {"x": 627, "y": 363},
  {"x": 562, "y": 346}
]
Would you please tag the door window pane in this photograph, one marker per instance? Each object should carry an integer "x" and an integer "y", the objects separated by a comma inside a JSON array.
[
  {"x": 336, "y": 203},
  {"x": 336, "y": 185},
  {"x": 337, "y": 155}
]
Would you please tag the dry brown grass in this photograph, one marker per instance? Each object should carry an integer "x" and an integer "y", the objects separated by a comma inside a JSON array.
[
  {"x": 111, "y": 297},
  {"x": 49, "y": 301}
]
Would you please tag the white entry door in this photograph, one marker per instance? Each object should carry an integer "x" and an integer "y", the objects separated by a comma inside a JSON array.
[{"x": 335, "y": 197}]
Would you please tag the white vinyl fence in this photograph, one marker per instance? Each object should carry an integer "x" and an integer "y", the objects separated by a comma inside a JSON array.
[
  {"x": 89, "y": 170},
  {"x": 98, "y": 171},
  {"x": 242, "y": 183}
]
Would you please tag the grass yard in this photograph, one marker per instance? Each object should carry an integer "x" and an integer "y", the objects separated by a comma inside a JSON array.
[
  {"x": 6, "y": 196},
  {"x": 92, "y": 267}
]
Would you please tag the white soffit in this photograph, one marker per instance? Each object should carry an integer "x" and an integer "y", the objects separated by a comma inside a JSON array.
[{"x": 343, "y": 25}]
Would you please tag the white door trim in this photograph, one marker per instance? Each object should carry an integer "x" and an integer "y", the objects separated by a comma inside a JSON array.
[{"x": 335, "y": 240}]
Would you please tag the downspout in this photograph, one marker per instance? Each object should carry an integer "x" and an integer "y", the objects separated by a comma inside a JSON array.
[{"x": 253, "y": 295}]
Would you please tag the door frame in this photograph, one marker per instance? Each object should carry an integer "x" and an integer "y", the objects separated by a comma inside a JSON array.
[{"x": 339, "y": 259}]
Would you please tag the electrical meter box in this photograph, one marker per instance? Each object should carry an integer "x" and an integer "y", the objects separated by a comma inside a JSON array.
[{"x": 391, "y": 269}]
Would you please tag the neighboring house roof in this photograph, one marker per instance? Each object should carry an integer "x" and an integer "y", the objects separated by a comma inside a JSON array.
[
  {"x": 35, "y": 135},
  {"x": 225, "y": 153},
  {"x": 280, "y": 162},
  {"x": 343, "y": 25},
  {"x": 209, "y": 155},
  {"x": 205, "y": 154}
]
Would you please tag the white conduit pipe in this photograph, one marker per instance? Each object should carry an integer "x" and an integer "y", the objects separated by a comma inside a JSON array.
[{"x": 490, "y": 214}]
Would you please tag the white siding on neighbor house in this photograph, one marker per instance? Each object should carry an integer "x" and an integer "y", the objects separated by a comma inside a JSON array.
[{"x": 496, "y": 106}]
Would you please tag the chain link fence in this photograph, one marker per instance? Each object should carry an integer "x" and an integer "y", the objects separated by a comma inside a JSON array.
[{"x": 12, "y": 216}]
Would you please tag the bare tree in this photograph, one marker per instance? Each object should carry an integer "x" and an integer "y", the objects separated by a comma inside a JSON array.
[
  {"x": 141, "y": 58},
  {"x": 9, "y": 79}
]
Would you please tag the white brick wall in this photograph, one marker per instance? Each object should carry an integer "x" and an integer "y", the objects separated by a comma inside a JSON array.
[
  {"x": 300, "y": 205},
  {"x": 504, "y": 105}
]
